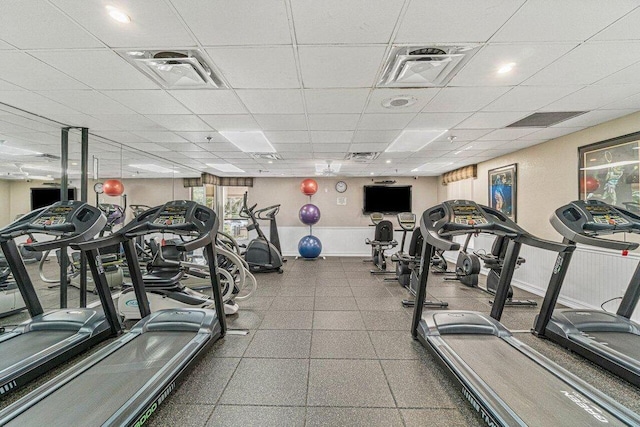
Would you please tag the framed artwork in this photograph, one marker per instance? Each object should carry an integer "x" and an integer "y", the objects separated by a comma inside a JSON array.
[
  {"x": 503, "y": 189},
  {"x": 608, "y": 171}
]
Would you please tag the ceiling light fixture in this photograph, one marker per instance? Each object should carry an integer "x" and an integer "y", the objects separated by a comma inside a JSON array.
[
  {"x": 151, "y": 168},
  {"x": 431, "y": 167},
  {"x": 225, "y": 167},
  {"x": 249, "y": 141},
  {"x": 506, "y": 68},
  {"x": 399, "y": 101},
  {"x": 414, "y": 140},
  {"x": 388, "y": 161},
  {"x": 118, "y": 15}
]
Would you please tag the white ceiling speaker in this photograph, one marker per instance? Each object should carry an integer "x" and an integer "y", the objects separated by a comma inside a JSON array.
[
  {"x": 399, "y": 102},
  {"x": 174, "y": 69},
  {"x": 430, "y": 66}
]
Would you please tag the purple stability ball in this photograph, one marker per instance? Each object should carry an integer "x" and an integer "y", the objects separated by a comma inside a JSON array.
[{"x": 309, "y": 214}]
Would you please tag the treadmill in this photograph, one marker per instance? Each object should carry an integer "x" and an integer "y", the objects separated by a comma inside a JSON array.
[
  {"x": 125, "y": 382},
  {"x": 507, "y": 382},
  {"x": 48, "y": 339},
  {"x": 610, "y": 340}
]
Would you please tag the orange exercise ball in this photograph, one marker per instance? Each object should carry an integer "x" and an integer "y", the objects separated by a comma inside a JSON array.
[
  {"x": 309, "y": 187},
  {"x": 590, "y": 184},
  {"x": 113, "y": 187}
]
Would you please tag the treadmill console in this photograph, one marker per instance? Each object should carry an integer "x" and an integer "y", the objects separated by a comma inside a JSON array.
[
  {"x": 171, "y": 215},
  {"x": 605, "y": 214},
  {"x": 54, "y": 215},
  {"x": 467, "y": 213}
]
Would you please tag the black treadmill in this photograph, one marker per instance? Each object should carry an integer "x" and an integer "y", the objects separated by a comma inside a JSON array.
[
  {"x": 126, "y": 381},
  {"x": 506, "y": 381},
  {"x": 48, "y": 339},
  {"x": 610, "y": 340}
]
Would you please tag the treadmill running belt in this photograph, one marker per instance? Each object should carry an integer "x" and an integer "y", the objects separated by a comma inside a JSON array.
[
  {"x": 28, "y": 344},
  {"x": 98, "y": 393},
  {"x": 537, "y": 396},
  {"x": 625, "y": 343}
]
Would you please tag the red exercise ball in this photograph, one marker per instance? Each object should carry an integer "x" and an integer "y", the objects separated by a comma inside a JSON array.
[
  {"x": 113, "y": 187},
  {"x": 309, "y": 187},
  {"x": 589, "y": 184}
]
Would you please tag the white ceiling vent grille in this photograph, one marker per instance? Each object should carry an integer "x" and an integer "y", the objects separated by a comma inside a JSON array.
[
  {"x": 427, "y": 66},
  {"x": 362, "y": 157},
  {"x": 266, "y": 156},
  {"x": 174, "y": 69}
]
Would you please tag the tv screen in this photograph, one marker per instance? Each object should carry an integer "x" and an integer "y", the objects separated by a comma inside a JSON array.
[
  {"x": 387, "y": 199},
  {"x": 41, "y": 197}
]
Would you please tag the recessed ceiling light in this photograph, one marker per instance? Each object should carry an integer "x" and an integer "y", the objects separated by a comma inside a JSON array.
[
  {"x": 74, "y": 163},
  {"x": 151, "y": 168},
  {"x": 414, "y": 140},
  {"x": 118, "y": 15},
  {"x": 506, "y": 68},
  {"x": 225, "y": 167},
  {"x": 457, "y": 152},
  {"x": 135, "y": 53},
  {"x": 388, "y": 161},
  {"x": 270, "y": 161},
  {"x": 399, "y": 101},
  {"x": 371, "y": 173},
  {"x": 249, "y": 141}
]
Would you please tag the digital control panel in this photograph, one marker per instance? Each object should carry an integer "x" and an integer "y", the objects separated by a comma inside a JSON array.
[
  {"x": 171, "y": 215},
  {"x": 54, "y": 215},
  {"x": 468, "y": 215},
  {"x": 603, "y": 214}
]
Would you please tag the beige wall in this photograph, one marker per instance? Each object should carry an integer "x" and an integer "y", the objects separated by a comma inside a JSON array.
[
  {"x": 547, "y": 174},
  {"x": 286, "y": 192},
  {"x": 5, "y": 200}
]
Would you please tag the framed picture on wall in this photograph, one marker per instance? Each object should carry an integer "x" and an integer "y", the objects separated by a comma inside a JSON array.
[
  {"x": 503, "y": 189},
  {"x": 608, "y": 171}
]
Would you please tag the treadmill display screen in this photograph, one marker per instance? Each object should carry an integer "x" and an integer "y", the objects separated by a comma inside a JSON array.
[
  {"x": 468, "y": 215},
  {"x": 605, "y": 215},
  {"x": 172, "y": 215},
  {"x": 54, "y": 216}
]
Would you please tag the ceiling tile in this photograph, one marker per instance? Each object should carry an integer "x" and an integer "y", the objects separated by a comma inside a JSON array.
[
  {"x": 422, "y": 97},
  {"x": 345, "y": 22},
  {"x": 462, "y": 135},
  {"x": 437, "y": 120},
  {"x": 376, "y": 135},
  {"x": 201, "y": 137},
  {"x": 293, "y": 148},
  {"x": 330, "y": 148},
  {"x": 148, "y": 101},
  {"x": 272, "y": 101},
  {"x": 630, "y": 103},
  {"x": 482, "y": 69},
  {"x": 281, "y": 121},
  {"x": 209, "y": 101},
  {"x": 482, "y": 145},
  {"x": 84, "y": 120},
  {"x": 581, "y": 65},
  {"x": 99, "y": 69},
  {"x": 454, "y": 20},
  {"x": 153, "y": 23},
  {"x": 34, "y": 103},
  {"x": 626, "y": 28},
  {"x": 550, "y": 133},
  {"x": 288, "y": 137},
  {"x": 533, "y": 22},
  {"x": 367, "y": 146},
  {"x": 629, "y": 75},
  {"x": 129, "y": 122},
  {"x": 180, "y": 122},
  {"x": 463, "y": 99},
  {"x": 8, "y": 86},
  {"x": 596, "y": 117},
  {"x": 593, "y": 97},
  {"x": 28, "y": 72},
  {"x": 230, "y": 121},
  {"x": 529, "y": 98},
  {"x": 257, "y": 67},
  {"x": 385, "y": 121},
  {"x": 149, "y": 147},
  {"x": 158, "y": 136},
  {"x": 331, "y": 137},
  {"x": 54, "y": 30},
  {"x": 491, "y": 120},
  {"x": 506, "y": 134},
  {"x": 335, "y": 100},
  {"x": 87, "y": 101},
  {"x": 240, "y": 22},
  {"x": 333, "y": 121},
  {"x": 119, "y": 136},
  {"x": 339, "y": 66}
]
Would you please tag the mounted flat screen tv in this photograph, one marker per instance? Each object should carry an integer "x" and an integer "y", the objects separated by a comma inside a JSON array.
[
  {"x": 41, "y": 197},
  {"x": 388, "y": 199}
]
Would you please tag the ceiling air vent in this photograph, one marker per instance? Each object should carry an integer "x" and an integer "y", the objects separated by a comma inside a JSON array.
[
  {"x": 543, "y": 120},
  {"x": 427, "y": 66},
  {"x": 174, "y": 69},
  {"x": 362, "y": 157},
  {"x": 266, "y": 156}
]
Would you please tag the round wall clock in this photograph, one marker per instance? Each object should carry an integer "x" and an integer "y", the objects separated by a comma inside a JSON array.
[
  {"x": 97, "y": 187},
  {"x": 341, "y": 186}
]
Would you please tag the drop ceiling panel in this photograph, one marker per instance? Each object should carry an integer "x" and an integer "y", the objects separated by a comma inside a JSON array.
[
  {"x": 385, "y": 121},
  {"x": 529, "y": 59},
  {"x": 230, "y": 121},
  {"x": 288, "y": 137},
  {"x": 530, "y": 98},
  {"x": 150, "y": 147},
  {"x": 99, "y": 69},
  {"x": 422, "y": 97},
  {"x": 120, "y": 136},
  {"x": 546, "y": 20},
  {"x": 630, "y": 103},
  {"x": 148, "y": 101},
  {"x": 331, "y": 137},
  {"x": 462, "y": 135},
  {"x": 240, "y": 22},
  {"x": 550, "y": 133},
  {"x": 584, "y": 64},
  {"x": 335, "y": 100},
  {"x": 626, "y": 28},
  {"x": 162, "y": 137},
  {"x": 454, "y": 20},
  {"x": 593, "y": 97},
  {"x": 31, "y": 123},
  {"x": 491, "y": 120},
  {"x": 593, "y": 118},
  {"x": 506, "y": 134},
  {"x": 129, "y": 122},
  {"x": 627, "y": 75},
  {"x": 368, "y": 147},
  {"x": 376, "y": 135},
  {"x": 344, "y": 22},
  {"x": 437, "y": 120},
  {"x": 34, "y": 103},
  {"x": 180, "y": 122},
  {"x": 336, "y": 149},
  {"x": 153, "y": 23},
  {"x": 281, "y": 121},
  {"x": 333, "y": 121},
  {"x": 209, "y": 101},
  {"x": 339, "y": 66},
  {"x": 257, "y": 67},
  {"x": 29, "y": 73},
  {"x": 8, "y": 86},
  {"x": 272, "y": 101},
  {"x": 87, "y": 101},
  {"x": 463, "y": 99},
  {"x": 292, "y": 148},
  {"x": 201, "y": 137},
  {"x": 482, "y": 145},
  {"x": 53, "y": 30}
]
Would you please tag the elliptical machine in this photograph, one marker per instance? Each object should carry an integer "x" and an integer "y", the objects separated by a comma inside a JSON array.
[
  {"x": 382, "y": 240},
  {"x": 261, "y": 255},
  {"x": 269, "y": 214}
]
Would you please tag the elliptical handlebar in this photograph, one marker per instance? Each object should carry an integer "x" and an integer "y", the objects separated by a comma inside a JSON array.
[{"x": 268, "y": 212}]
